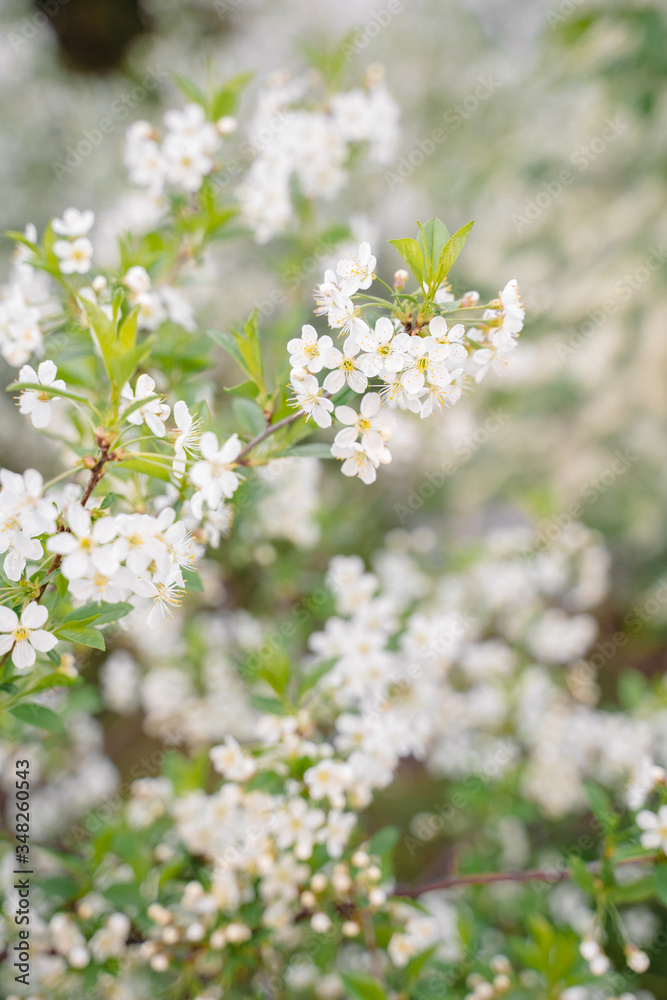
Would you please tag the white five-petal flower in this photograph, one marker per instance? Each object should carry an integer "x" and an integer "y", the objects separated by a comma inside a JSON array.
[
  {"x": 214, "y": 474},
  {"x": 654, "y": 826},
  {"x": 85, "y": 547},
  {"x": 307, "y": 351},
  {"x": 187, "y": 438},
  {"x": 74, "y": 223},
  {"x": 25, "y": 635},
  {"x": 357, "y": 270},
  {"x": 373, "y": 423},
  {"x": 38, "y": 404},
  {"x": 75, "y": 256},
  {"x": 309, "y": 397},
  {"x": 344, "y": 367},
  {"x": 153, "y": 413}
]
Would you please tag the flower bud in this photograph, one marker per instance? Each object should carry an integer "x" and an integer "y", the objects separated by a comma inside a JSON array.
[
  {"x": 226, "y": 125},
  {"x": 400, "y": 279}
]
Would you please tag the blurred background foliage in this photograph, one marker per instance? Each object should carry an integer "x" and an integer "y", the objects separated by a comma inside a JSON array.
[{"x": 544, "y": 121}]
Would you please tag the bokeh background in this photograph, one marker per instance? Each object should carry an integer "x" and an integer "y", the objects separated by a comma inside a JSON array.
[{"x": 546, "y": 122}]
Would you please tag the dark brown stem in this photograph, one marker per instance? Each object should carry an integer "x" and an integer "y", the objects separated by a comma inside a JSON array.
[
  {"x": 550, "y": 875},
  {"x": 267, "y": 432}
]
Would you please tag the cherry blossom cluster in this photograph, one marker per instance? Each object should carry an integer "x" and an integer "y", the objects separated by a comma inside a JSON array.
[
  {"x": 182, "y": 157},
  {"x": 26, "y": 305},
  {"x": 418, "y": 667},
  {"x": 298, "y": 134},
  {"x": 420, "y": 369}
]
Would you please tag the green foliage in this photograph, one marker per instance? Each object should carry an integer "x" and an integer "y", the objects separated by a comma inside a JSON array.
[
  {"x": 362, "y": 986},
  {"x": 433, "y": 254}
]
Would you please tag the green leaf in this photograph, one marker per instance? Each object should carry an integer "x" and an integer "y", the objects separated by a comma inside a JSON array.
[
  {"x": 103, "y": 330},
  {"x": 124, "y": 895},
  {"x": 99, "y": 613},
  {"x": 600, "y": 804},
  {"x": 144, "y": 465},
  {"x": 56, "y": 679},
  {"x": 60, "y": 886},
  {"x": 362, "y": 986},
  {"x": 21, "y": 238},
  {"x": 314, "y": 449},
  {"x": 634, "y": 892},
  {"x": 47, "y": 390},
  {"x": 314, "y": 675},
  {"x": 632, "y": 687},
  {"x": 189, "y": 89},
  {"x": 227, "y": 98},
  {"x": 61, "y": 584},
  {"x": 193, "y": 582},
  {"x": 249, "y": 416},
  {"x": 38, "y": 715},
  {"x": 433, "y": 237},
  {"x": 581, "y": 875},
  {"x": 450, "y": 253},
  {"x": 416, "y": 964},
  {"x": 412, "y": 254},
  {"x": 277, "y": 672},
  {"x": 247, "y": 343},
  {"x": 248, "y": 389},
  {"x": 227, "y": 341},
  {"x": 121, "y": 357},
  {"x": 81, "y": 635},
  {"x": 661, "y": 883},
  {"x": 384, "y": 841},
  {"x": 270, "y": 705}
]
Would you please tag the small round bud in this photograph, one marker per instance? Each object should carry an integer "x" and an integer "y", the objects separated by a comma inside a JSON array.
[
  {"x": 589, "y": 949},
  {"x": 599, "y": 965},
  {"x": 637, "y": 960},
  {"x": 350, "y": 928},
  {"x": 195, "y": 931},
  {"x": 319, "y": 882},
  {"x": 469, "y": 299},
  {"x": 374, "y": 75},
  {"x": 159, "y": 914},
  {"x": 377, "y": 897},
  {"x": 320, "y": 923},
  {"x": 341, "y": 882},
  {"x": 163, "y": 852},
  {"x": 171, "y": 935},
  {"x": 360, "y": 859},
  {"x": 159, "y": 962},
  {"x": 400, "y": 279},
  {"x": 78, "y": 957},
  {"x": 500, "y": 963},
  {"x": 226, "y": 125},
  {"x": 237, "y": 933},
  {"x": 218, "y": 938},
  {"x": 308, "y": 899}
]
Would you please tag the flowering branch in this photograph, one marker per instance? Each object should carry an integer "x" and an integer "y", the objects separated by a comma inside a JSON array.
[{"x": 551, "y": 875}]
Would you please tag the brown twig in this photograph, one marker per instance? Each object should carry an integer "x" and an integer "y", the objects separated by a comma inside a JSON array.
[
  {"x": 551, "y": 875},
  {"x": 96, "y": 473},
  {"x": 267, "y": 432}
]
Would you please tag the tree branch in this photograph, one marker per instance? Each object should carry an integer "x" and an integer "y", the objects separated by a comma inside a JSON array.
[
  {"x": 267, "y": 432},
  {"x": 550, "y": 875}
]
